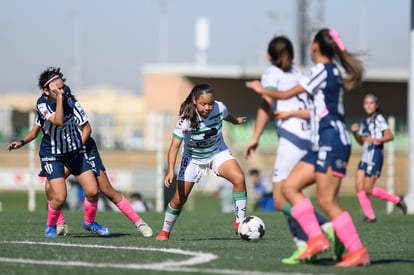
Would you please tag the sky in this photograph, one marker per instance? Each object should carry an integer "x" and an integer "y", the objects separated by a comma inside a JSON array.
[{"x": 107, "y": 42}]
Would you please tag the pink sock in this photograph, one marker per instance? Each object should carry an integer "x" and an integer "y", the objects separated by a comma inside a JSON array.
[
  {"x": 61, "y": 218},
  {"x": 346, "y": 231},
  {"x": 304, "y": 214},
  {"x": 126, "y": 208},
  {"x": 366, "y": 205},
  {"x": 384, "y": 195},
  {"x": 90, "y": 211},
  {"x": 52, "y": 216}
]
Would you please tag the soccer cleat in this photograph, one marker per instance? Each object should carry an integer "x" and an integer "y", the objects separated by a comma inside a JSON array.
[
  {"x": 336, "y": 244},
  {"x": 293, "y": 259},
  {"x": 50, "y": 231},
  {"x": 163, "y": 236},
  {"x": 401, "y": 204},
  {"x": 368, "y": 220},
  {"x": 97, "y": 228},
  {"x": 236, "y": 227},
  {"x": 355, "y": 258},
  {"x": 62, "y": 229},
  {"x": 314, "y": 246},
  {"x": 145, "y": 230}
]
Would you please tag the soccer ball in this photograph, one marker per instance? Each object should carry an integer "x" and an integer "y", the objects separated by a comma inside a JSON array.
[{"x": 251, "y": 228}]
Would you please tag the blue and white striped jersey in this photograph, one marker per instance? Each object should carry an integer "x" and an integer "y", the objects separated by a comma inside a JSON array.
[
  {"x": 324, "y": 83},
  {"x": 60, "y": 139},
  {"x": 207, "y": 139},
  {"x": 372, "y": 127}
]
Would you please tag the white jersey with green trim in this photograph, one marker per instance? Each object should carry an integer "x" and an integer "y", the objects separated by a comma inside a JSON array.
[{"x": 207, "y": 139}]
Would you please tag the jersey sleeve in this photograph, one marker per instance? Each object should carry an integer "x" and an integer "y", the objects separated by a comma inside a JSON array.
[
  {"x": 269, "y": 78},
  {"x": 313, "y": 78},
  {"x": 43, "y": 109},
  {"x": 182, "y": 126},
  {"x": 383, "y": 125},
  {"x": 222, "y": 109},
  {"x": 38, "y": 121},
  {"x": 80, "y": 116}
]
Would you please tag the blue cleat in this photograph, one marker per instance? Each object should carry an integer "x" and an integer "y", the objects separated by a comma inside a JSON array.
[
  {"x": 97, "y": 228},
  {"x": 50, "y": 231}
]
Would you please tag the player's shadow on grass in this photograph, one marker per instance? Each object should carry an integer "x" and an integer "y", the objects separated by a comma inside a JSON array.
[
  {"x": 391, "y": 261},
  {"x": 210, "y": 239},
  {"x": 89, "y": 235},
  {"x": 329, "y": 261}
]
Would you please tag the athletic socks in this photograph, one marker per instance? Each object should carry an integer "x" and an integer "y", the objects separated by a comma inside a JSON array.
[
  {"x": 90, "y": 211},
  {"x": 384, "y": 195},
  {"x": 366, "y": 205},
  {"x": 61, "y": 218},
  {"x": 240, "y": 205},
  {"x": 127, "y": 209},
  {"x": 295, "y": 229},
  {"x": 171, "y": 216},
  {"x": 346, "y": 232},
  {"x": 52, "y": 216},
  {"x": 304, "y": 214}
]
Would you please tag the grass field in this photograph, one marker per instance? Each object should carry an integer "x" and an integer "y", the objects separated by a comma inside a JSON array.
[{"x": 202, "y": 242}]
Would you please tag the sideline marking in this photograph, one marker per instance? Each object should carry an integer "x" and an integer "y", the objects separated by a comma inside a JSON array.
[{"x": 176, "y": 266}]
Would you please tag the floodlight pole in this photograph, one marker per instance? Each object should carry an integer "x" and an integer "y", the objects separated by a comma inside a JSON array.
[{"x": 410, "y": 195}]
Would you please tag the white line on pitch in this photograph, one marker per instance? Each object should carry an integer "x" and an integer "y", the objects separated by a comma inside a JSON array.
[{"x": 177, "y": 266}]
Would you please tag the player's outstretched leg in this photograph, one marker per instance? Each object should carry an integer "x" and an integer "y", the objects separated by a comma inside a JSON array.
[{"x": 171, "y": 216}]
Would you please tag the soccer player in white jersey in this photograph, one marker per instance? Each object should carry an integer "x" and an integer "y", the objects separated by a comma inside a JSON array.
[
  {"x": 61, "y": 147},
  {"x": 372, "y": 133},
  {"x": 326, "y": 162},
  {"x": 200, "y": 129},
  {"x": 293, "y": 130}
]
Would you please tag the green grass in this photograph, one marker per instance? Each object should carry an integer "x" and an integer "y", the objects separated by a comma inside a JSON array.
[{"x": 390, "y": 243}]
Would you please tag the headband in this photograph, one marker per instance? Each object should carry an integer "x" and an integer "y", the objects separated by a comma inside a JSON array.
[
  {"x": 337, "y": 39},
  {"x": 50, "y": 80}
]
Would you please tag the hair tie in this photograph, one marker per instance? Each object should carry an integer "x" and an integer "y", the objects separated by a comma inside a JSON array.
[
  {"x": 337, "y": 39},
  {"x": 50, "y": 80}
]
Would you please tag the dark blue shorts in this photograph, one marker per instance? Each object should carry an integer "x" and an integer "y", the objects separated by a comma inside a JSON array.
[
  {"x": 54, "y": 166},
  {"x": 94, "y": 158},
  {"x": 337, "y": 159},
  {"x": 371, "y": 169}
]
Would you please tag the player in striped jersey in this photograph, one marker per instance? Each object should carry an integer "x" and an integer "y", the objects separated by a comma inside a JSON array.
[
  {"x": 61, "y": 147},
  {"x": 326, "y": 162},
  {"x": 293, "y": 130},
  {"x": 200, "y": 129},
  {"x": 97, "y": 165},
  {"x": 372, "y": 133}
]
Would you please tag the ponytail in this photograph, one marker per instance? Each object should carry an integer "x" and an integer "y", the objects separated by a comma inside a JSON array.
[{"x": 331, "y": 45}]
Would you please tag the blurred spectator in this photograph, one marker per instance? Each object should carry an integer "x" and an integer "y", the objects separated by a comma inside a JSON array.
[
  {"x": 138, "y": 204},
  {"x": 262, "y": 195},
  {"x": 224, "y": 192}
]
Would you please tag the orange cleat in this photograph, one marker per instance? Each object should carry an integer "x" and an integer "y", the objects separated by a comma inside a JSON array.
[
  {"x": 314, "y": 246},
  {"x": 163, "y": 236},
  {"x": 355, "y": 258},
  {"x": 236, "y": 227}
]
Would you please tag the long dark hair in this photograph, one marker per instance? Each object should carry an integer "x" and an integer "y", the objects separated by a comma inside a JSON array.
[
  {"x": 280, "y": 50},
  {"x": 328, "y": 46},
  {"x": 187, "y": 108}
]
